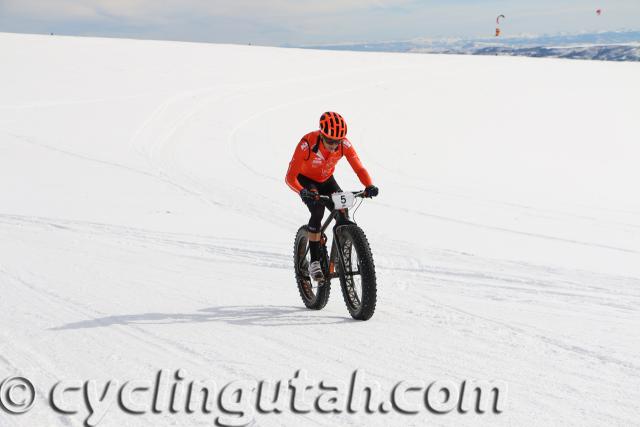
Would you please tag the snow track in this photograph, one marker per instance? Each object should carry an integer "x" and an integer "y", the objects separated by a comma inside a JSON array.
[{"x": 145, "y": 225}]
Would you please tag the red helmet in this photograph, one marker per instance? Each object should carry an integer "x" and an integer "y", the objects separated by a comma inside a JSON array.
[{"x": 332, "y": 125}]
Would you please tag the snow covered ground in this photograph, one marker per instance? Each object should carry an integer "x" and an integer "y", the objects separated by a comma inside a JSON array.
[{"x": 145, "y": 225}]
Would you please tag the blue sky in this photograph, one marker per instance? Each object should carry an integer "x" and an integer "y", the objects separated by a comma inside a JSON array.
[{"x": 300, "y": 22}]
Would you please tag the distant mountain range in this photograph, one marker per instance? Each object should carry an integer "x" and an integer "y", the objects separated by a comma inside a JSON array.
[
  {"x": 607, "y": 46},
  {"x": 597, "y": 52}
]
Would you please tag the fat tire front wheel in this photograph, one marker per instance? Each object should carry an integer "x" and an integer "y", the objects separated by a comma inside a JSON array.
[{"x": 359, "y": 290}]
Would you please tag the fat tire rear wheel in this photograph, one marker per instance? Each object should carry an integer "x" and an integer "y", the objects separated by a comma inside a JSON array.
[{"x": 313, "y": 297}]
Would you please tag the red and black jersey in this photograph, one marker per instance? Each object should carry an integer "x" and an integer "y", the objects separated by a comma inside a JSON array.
[{"x": 314, "y": 161}]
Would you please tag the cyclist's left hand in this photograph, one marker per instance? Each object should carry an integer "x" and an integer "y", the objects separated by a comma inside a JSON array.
[{"x": 371, "y": 191}]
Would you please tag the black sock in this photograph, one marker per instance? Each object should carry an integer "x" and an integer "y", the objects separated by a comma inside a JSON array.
[{"x": 314, "y": 249}]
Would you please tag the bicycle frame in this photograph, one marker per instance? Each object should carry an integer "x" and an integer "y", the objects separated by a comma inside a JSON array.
[{"x": 342, "y": 218}]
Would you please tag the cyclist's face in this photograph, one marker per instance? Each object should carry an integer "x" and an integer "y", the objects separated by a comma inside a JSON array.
[{"x": 330, "y": 144}]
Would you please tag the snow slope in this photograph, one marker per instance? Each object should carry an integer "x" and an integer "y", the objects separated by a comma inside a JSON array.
[{"x": 145, "y": 224}]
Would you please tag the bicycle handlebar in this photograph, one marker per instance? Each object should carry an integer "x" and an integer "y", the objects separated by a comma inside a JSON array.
[
  {"x": 355, "y": 193},
  {"x": 328, "y": 201}
]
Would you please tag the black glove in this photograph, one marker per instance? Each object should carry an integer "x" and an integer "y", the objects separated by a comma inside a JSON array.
[
  {"x": 371, "y": 191},
  {"x": 309, "y": 196}
]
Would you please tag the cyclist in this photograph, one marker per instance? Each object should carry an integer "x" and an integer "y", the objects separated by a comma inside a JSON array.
[{"x": 310, "y": 174}]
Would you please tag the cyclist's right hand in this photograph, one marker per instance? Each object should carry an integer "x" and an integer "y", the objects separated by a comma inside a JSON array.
[{"x": 309, "y": 196}]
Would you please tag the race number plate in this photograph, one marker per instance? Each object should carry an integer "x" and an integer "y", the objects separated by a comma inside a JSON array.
[{"x": 343, "y": 200}]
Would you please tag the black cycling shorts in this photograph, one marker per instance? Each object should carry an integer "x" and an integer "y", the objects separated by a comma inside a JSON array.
[{"x": 325, "y": 188}]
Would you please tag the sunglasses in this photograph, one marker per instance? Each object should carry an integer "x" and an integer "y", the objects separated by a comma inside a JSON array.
[{"x": 330, "y": 141}]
